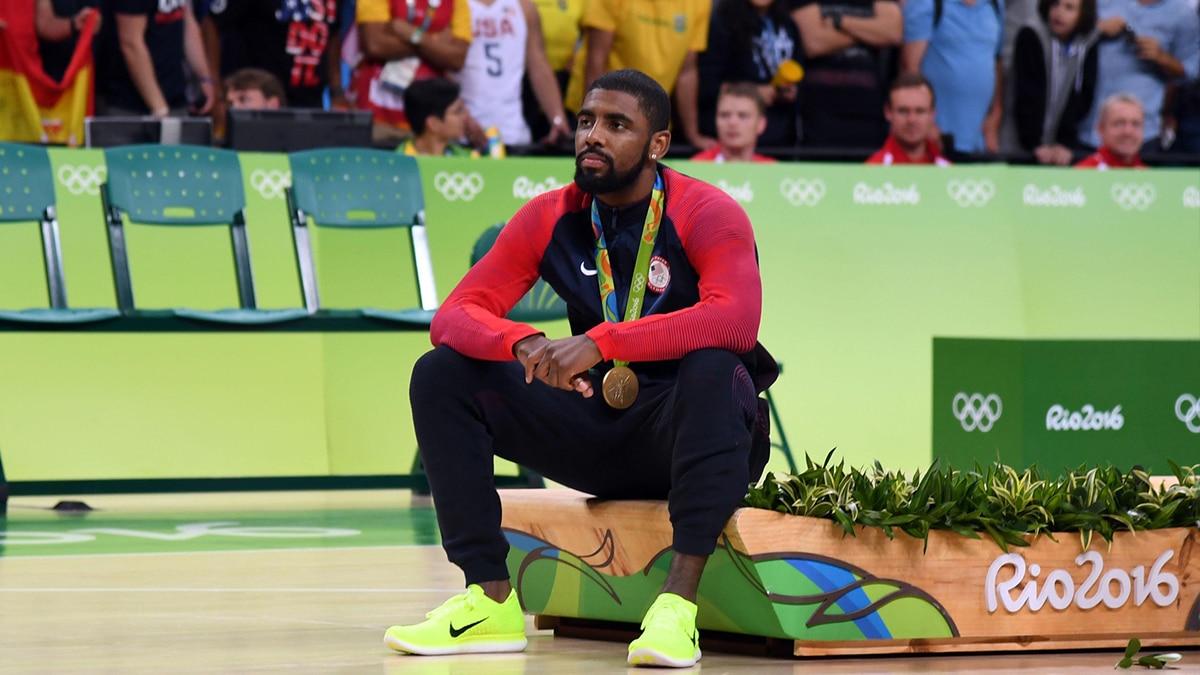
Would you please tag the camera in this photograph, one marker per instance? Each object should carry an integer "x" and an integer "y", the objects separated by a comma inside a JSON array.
[{"x": 1130, "y": 36}]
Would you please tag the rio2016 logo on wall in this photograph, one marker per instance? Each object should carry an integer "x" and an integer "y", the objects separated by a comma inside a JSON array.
[
  {"x": 977, "y": 411},
  {"x": 1088, "y": 418},
  {"x": 455, "y": 186},
  {"x": 1055, "y": 195},
  {"x": 525, "y": 188},
  {"x": 887, "y": 194},
  {"x": 742, "y": 193}
]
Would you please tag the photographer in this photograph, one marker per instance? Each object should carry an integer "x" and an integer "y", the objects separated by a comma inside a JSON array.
[{"x": 1148, "y": 45}]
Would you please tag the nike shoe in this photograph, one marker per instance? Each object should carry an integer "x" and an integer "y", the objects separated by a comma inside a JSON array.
[
  {"x": 470, "y": 622},
  {"x": 668, "y": 635}
]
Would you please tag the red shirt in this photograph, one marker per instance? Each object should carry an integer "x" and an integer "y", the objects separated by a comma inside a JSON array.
[
  {"x": 712, "y": 297},
  {"x": 716, "y": 154},
  {"x": 1105, "y": 159},
  {"x": 892, "y": 153}
]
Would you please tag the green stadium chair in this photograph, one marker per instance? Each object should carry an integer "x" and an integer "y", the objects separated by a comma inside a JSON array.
[
  {"x": 361, "y": 189},
  {"x": 27, "y": 196},
  {"x": 182, "y": 186},
  {"x": 541, "y": 303}
]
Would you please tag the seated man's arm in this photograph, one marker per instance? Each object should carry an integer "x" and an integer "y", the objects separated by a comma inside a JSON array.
[{"x": 884, "y": 29}]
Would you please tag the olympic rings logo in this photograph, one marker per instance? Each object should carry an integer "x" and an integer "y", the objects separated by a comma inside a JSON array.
[
  {"x": 82, "y": 179},
  {"x": 1187, "y": 409},
  {"x": 802, "y": 191},
  {"x": 1133, "y": 196},
  {"x": 457, "y": 185},
  {"x": 976, "y": 411},
  {"x": 1191, "y": 197},
  {"x": 971, "y": 192},
  {"x": 270, "y": 184}
]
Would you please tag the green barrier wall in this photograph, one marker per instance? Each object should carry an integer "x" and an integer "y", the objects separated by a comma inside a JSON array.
[{"x": 862, "y": 267}]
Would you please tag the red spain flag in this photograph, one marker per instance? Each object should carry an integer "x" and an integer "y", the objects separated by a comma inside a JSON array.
[{"x": 33, "y": 107}]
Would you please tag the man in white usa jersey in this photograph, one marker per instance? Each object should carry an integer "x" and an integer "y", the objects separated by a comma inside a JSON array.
[{"x": 507, "y": 41}]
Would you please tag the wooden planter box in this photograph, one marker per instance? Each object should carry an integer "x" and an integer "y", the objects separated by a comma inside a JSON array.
[{"x": 799, "y": 579}]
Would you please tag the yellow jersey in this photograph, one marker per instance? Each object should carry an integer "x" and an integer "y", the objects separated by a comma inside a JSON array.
[{"x": 561, "y": 29}]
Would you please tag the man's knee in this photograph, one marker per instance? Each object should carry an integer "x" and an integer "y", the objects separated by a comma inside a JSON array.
[{"x": 435, "y": 366}]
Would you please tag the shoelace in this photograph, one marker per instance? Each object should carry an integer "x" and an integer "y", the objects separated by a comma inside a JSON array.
[
  {"x": 667, "y": 616},
  {"x": 468, "y": 600}
]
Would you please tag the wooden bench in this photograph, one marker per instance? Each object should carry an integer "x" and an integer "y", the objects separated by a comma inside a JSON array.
[{"x": 591, "y": 568}]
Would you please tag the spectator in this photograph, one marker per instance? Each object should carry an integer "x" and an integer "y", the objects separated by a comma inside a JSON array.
[
  {"x": 741, "y": 119},
  {"x": 429, "y": 39},
  {"x": 1150, "y": 45},
  {"x": 748, "y": 41},
  {"x": 438, "y": 116},
  {"x": 662, "y": 39},
  {"x": 140, "y": 60},
  {"x": 1054, "y": 78},
  {"x": 299, "y": 45},
  {"x": 846, "y": 43},
  {"x": 254, "y": 89},
  {"x": 507, "y": 44},
  {"x": 58, "y": 24},
  {"x": 1121, "y": 129},
  {"x": 561, "y": 31},
  {"x": 911, "y": 110},
  {"x": 957, "y": 46}
]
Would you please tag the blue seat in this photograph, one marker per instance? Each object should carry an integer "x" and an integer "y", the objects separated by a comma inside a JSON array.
[
  {"x": 359, "y": 189},
  {"x": 27, "y": 196},
  {"x": 182, "y": 186}
]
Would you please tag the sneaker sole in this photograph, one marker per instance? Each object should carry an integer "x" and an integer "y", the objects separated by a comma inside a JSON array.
[
  {"x": 644, "y": 656},
  {"x": 479, "y": 646}
]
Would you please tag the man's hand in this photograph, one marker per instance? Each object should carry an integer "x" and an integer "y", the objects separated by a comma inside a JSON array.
[
  {"x": 1111, "y": 27},
  {"x": 991, "y": 130},
  {"x": 1149, "y": 49},
  {"x": 562, "y": 364}
]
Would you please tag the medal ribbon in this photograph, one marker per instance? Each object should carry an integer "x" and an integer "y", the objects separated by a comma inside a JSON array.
[{"x": 641, "y": 269}]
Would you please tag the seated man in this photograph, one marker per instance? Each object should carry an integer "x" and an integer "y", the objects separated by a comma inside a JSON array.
[
  {"x": 254, "y": 89},
  {"x": 741, "y": 119},
  {"x": 1121, "y": 125},
  {"x": 679, "y": 418},
  {"x": 438, "y": 116},
  {"x": 910, "y": 110}
]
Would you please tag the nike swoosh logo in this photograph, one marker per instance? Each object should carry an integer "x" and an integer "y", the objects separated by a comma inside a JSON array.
[
  {"x": 455, "y": 632},
  {"x": 585, "y": 271}
]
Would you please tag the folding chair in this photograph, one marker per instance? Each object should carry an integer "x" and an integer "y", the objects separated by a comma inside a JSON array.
[
  {"x": 182, "y": 186},
  {"x": 27, "y": 196},
  {"x": 358, "y": 189}
]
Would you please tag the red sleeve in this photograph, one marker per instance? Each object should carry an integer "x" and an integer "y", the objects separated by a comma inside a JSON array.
[
  {"x": 471, "y": 321},
  {"x": 1089, "y": 162},
  {"x": 719, "y": 244},
  {"x": 876, "y": 158}
]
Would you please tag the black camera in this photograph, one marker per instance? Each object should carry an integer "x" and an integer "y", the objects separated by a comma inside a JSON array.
[{"x": 1129, "y": 35}]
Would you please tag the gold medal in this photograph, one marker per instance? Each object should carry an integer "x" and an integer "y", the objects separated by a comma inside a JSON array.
[{"x": 620, "y": 387}]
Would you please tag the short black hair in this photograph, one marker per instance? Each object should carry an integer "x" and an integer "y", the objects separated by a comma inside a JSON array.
[
  {"x": 653, "y": 100},
  {"x": 257, "y": 79},
  {"x": 425, "y": 98},
  {"x": 1087, "y": 15}
]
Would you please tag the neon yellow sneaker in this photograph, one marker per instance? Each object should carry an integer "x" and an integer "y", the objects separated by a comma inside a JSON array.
[
  {"x": 668, "y": 635},
  {"x": 470, "y": 622}
]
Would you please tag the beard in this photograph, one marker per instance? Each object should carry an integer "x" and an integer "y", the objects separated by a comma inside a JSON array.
[{"x": 608, "y": 181}]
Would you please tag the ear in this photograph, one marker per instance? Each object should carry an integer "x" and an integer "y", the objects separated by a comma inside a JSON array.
[
  {"x": 273, "y": 103},
  {"x": 660, "y": 142},
  {"x": 887, "y": 112},
  {"x": 762, "y": 126}
]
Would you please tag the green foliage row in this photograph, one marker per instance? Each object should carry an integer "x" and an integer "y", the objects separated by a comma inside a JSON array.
[{"x": 1005, "y": 504}]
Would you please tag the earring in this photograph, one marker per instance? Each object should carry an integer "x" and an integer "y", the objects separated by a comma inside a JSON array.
[{"x": 653, "y": 156}]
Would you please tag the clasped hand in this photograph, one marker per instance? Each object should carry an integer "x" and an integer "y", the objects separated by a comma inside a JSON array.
[{"x": 562, "y": 363}]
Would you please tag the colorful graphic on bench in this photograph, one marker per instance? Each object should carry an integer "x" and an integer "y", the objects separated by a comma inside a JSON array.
[{"x": 785, "y": 594}]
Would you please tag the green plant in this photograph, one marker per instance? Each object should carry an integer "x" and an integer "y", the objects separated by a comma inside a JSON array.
[
  {"x": 1155, "y": 661},
  {"x": 998, "y": 501}
]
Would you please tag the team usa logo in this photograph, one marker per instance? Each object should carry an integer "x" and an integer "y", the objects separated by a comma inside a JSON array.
[{"x": 660, "y": 274}]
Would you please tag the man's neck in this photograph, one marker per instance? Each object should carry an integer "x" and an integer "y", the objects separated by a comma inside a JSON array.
[
  {"x": 737, "y": 154},
  {"x": 428, "y": 144}
]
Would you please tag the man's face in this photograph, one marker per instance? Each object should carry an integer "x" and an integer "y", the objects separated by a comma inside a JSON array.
[
  {"x": 250, "y": 99},
  {"x": 1121, "y": 129},
  {"x": 738, "y": 122},
  {"x": 453, "y": 125},
  {"x": 911, "y": 113},
  {"x": 612, "y": 142}
]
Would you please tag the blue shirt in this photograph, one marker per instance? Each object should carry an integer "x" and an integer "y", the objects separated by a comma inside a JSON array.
[
  {"x": 1177, "y": 29},
  {"x": 960, "y": 62}
]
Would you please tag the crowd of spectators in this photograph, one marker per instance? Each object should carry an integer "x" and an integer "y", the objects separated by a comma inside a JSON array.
[{"x": 915, "y": 80}]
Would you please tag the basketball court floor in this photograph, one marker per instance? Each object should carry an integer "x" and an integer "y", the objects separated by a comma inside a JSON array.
[{"x": 301, "y": 582}]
